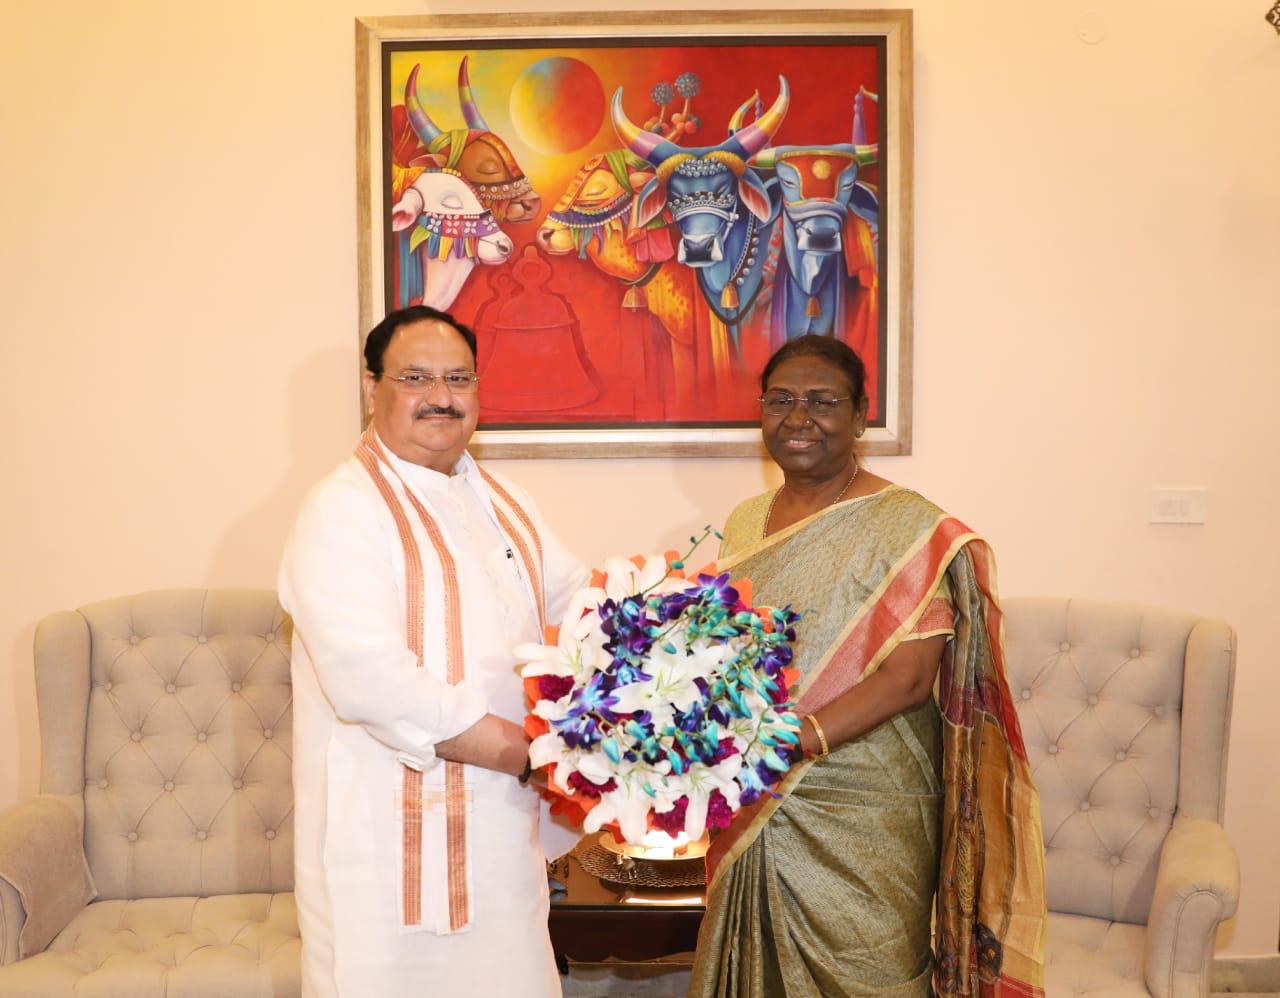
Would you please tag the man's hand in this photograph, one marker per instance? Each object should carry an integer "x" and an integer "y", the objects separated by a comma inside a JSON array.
[{"x": 492, "y": 742}]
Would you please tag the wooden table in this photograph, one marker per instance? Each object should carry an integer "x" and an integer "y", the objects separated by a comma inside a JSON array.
[{"x": 596, "y": 919}]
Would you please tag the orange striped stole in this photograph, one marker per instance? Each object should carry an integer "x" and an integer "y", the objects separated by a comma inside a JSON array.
[{"x": 525, "y": 538}]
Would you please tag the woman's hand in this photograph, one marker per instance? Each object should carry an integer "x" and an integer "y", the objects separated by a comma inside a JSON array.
[{"x": 809, "y": 743}]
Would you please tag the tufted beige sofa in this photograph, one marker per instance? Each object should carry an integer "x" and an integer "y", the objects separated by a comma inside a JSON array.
[
  {"x": 165, "y": 723},
  {"x": 187, "y": 827},
  {"x": 1125, "y": 711}
]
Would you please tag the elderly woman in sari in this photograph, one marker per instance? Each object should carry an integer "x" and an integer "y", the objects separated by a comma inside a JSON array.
[{"x": 826, "y": 889}]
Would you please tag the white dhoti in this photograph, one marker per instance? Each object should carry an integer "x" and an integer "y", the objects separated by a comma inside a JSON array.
[{"x": 378, "y": 902}]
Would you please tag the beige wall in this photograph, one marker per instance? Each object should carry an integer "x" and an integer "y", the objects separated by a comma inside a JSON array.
[{"x": 1096, "y": 313}]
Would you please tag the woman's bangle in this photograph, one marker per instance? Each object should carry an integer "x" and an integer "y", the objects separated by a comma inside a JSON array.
[{"x": 822, "y": 735}]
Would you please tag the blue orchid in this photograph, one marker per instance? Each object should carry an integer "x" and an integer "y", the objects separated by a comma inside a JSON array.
[
  {"x": 716, "y": 589},
  {"x": 582, "y": 731},
  {"x": 625, "y": 673}
]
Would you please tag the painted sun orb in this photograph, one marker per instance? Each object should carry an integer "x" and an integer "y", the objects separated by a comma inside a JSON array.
[{"x": 557, "y": 105}]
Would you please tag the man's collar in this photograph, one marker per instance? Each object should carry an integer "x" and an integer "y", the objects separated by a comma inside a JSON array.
[{"x": 426, "y": 478}]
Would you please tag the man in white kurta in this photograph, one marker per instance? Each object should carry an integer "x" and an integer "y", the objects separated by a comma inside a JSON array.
[{"x": 459, "y": 908}]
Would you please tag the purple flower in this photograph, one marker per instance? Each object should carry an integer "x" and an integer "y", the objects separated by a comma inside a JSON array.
[
  {"x": 691, "y": 719},
  {"x": 627, "y": 626},
  {"x": 778, "y": 695},
  {"x": 776, "y": 659},
  {"x": 719, "y": 813},
  {"x": 672, "y": 822},
  {"x": 554, "y": 687},
  {"x": 671, "y": 606},
  {"x": 625, "y": 673},
  {"x": 725, "y": 749},
  {"x": 717, "y": 589},
  {"x": 578, "y": 732},
  {"x": 594, "y": 698},
  {"x": 752, "y": 785},
  {"x": 767, "y": 776},
  {"x": 652, "y": 752},
  {"x": 588, "y": 789}
]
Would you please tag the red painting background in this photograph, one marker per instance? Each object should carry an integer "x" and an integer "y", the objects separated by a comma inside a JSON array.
[{"x": 532, "y": 306}]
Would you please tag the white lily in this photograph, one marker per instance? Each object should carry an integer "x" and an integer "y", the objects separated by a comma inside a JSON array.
[
  {"x": 576, "y": 658},
  {"x": 629, "y": 805},
  {"x": 553, "y": 710},
  {"x": 580, "y": 617},
  {"x": 545, "y": 660},
  {"x": 596, "y": 767},
  {"x": 623, "y": 577},
  {"x": 703, "y": 782},
  {"x": 544, "y": 749},
  {"x": 578, "y": 648},
  {"x": 673, "y": 684}
]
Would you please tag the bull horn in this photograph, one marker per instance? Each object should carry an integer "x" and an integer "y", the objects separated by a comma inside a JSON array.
[
  {"x": 423, "y": 126},
  {"x": 756, "y": 135},
  {"x": 740, "y": 116},
  {"x": 866, "y": 153},
  {"x": 649, "y": 146},
  {"x": 467, "y": 100},
  {"x": 859, "y": 123}
]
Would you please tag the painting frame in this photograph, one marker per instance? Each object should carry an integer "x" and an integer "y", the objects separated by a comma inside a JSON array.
[{"x": 892, "y": 28}]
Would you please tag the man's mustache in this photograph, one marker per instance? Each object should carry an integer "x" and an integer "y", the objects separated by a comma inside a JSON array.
[{"x": 437, "y": 410}]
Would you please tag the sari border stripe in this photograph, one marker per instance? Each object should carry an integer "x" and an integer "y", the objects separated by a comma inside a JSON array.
[
  {"x": 984, "y": 569},
  {"x": 895, "y": 606},
  {"x": 915, "y": 575},
  {"x": 751, "y": 550},
  {"x": 746, "y": 826}
]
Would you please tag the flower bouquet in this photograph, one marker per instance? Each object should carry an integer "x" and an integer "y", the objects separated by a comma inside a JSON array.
[{"x": 662, "y": 701}]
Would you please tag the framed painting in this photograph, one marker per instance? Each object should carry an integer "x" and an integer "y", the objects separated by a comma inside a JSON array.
[{"x": 633, "y": 210}]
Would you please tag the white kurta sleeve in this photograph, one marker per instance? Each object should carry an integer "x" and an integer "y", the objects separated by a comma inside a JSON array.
[{"x": 337, "y": 581}]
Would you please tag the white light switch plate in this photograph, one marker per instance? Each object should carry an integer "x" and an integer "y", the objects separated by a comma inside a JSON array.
[{"x": 1189, "y": 505}]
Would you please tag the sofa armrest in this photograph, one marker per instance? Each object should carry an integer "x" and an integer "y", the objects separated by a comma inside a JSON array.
[
  {"x": 1197, "y": 886},
  {"x": 42, "y": 863}
]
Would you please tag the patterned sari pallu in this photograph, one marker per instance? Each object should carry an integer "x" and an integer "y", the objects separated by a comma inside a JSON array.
[{"x": 827, "y": 890}]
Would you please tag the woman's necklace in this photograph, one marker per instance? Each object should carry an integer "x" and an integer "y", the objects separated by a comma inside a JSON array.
[{"x": 768, "y": 516}]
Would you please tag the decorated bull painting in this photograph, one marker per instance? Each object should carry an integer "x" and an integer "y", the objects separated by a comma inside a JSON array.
[
  {"x": 645, "y": 222},
  {"x": 826, "y": 281}
]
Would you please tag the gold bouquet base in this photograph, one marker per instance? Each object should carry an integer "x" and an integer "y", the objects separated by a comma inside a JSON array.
[{"x": 624, "y": 863}]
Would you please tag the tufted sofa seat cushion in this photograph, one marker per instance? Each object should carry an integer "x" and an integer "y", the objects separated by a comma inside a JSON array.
[
  {"x": 233, "y": 946},
  {"x": 1095, "y": 957}
]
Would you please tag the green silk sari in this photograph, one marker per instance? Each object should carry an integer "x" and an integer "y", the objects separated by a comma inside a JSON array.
[{"x": 827, "y": 889}]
